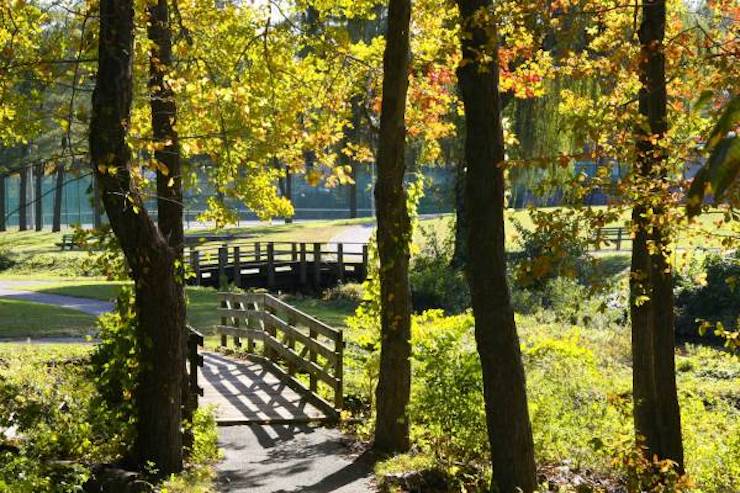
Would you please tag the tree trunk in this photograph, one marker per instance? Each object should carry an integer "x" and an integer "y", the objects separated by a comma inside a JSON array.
[
  {"x": 460, "y": 252},
  {"x": 352, "y": 135},
  {"x": 22, "y": 198},
  {"x": 288, "y": 191},
  {"x": 38, "y": 201},
  {"x": 159, "y": 295},
  {"x": 3, "y": 226},
  {"x": 504, "y": 389},
  {"x": 58, "y": 194},
  {"x": 97, "y": 214},
  {"x": 656, "y": 412},
  {"x": 394, "y": 234}
]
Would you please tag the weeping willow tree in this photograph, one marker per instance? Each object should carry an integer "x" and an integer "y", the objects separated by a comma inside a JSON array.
[{"x": 538, "y": 139}]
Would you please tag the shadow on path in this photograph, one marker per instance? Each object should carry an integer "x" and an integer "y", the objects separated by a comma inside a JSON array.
[{"x": 300, "y": 458}]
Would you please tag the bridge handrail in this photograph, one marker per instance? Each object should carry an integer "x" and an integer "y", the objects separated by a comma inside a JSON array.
[{"x": 258, "y": 317}]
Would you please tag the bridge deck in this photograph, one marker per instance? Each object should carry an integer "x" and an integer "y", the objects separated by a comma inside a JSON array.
[{"x": 246, "y": 392}]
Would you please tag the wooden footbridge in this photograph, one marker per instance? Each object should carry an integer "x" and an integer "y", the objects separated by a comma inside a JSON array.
[
  {"x": 290, "y": 266},
  {"x": 282, "y": 366}
]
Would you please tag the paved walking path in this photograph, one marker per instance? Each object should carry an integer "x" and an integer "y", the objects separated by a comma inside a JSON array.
[
  {"x": 291, "y": 459},
  {"x": 354, "y": 234},
  {"x": 279, "y": 451},
  {"x": 245, "y": 392},
  {"x": 14, "y": 290}
]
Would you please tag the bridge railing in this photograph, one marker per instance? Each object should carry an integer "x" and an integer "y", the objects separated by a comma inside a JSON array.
[
  {"x": 307, "y": 263},
  {"x": 292, "y": 341}
]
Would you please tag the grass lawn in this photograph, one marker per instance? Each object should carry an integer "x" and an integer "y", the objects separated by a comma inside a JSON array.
[
  {"x": 706, "y": 232},
  {"x": 36, "y": 256},
  {"x": 26, "y": 319},
  {"x": 202, "y": 304}
]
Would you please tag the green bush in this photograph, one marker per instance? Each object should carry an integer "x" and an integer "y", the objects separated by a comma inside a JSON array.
[
  {"x": 579, "y": 391},
  {"x": 435, "y": 284},
  {"x": 6, "y": 261},
  {"x": 344, "y": 292},
  {"x": 115, "y": 361},
  {"x": 447, "y": 404},
  {"x": 555, "y": 247},
  {"x": 47, "y": 395},
  {"x": 710, "y": 292}
]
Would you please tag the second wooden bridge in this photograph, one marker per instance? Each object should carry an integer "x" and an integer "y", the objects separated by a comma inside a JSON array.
[{"x": 292, "y": 266}]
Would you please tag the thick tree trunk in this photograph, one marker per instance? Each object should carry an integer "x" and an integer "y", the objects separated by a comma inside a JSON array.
[
  {"x": 656, "y": 412},
  {"x": 504, "y": 390},
  {"x": 159, "y": 295},
  {"x": 56, "y": 224},
  {"x": 3, "y": 226},
  {"x": 38, "y": 202},
  {"x": 22, "y": 199},
  {"x": 394, "y": 234}
]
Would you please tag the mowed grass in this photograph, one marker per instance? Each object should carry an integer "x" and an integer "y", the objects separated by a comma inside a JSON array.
[
  {"x": 202, "y": 305},
  {"x": 20, "y": 319},
  {"x": 706, "y": 231}
]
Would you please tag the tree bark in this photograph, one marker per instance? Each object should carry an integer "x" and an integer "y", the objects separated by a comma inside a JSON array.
[
  {"x": 22, "y": 198},
  {"x": 288, "y": 191},
  {"x": 3, "y": 226},
  {"x": 460, "y": 252},
  {"x": 352, "y": 135},
  {"x": 394, "y": 234},
  {"x": 504, "y": 389},
  {"x": 38, "y": 202},
  {"x": 656, "y": 412},
  {"x": 56, "y": 224},
  {"x": 96, "y": 202},
  {"x": 148, "y": 250}
]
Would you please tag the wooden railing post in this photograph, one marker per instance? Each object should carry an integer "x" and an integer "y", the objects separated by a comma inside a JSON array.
[
  {"x": 365, "y": 259},
  {"x": 224, "y": 321},
  {"x": 291, "y": 344},
  {"x": 195, "y": 265},
  {"x": 251, "y": 325},
  {"x": 303, "y": 269},
  {"x": 270, "y": 265},
  {"x": 340, "y": 262},
  {"x": 294, "y": 251},
  {"x": 223, "y": 257},
  {"x": 190, "y": 388},
  {"x": 339, "y": 372},
  {"x": 312, "y": 380},
  {"x": 237, "y": 267},
  {"x": 619, "y": 239},
  {"x": 237, "y": 340},
  {"x": 317, "y": 265},
  {"x": 257, "y": 253}
]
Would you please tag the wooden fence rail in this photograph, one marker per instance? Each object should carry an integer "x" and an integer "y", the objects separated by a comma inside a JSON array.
[{"x": 294, "y": 342}]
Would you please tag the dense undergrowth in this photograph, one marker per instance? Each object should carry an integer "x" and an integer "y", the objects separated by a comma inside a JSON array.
[
  {"x": 55, "y": 427},
  {"x": 575, "y": 343}
]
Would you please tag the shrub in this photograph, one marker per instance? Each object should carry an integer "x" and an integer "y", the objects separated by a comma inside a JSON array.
[
  {"x": 555, "y": 247},
  {"x": 344, "y": 292},
  {"x": 710, "y": 293},
  {"x": 6, "y": 261},
  {"x": 47, "y": 395},
  {"x": 447, "y": 404},
  {"x": 434, "y": 283},
  {"x": 115, "y": 361}
]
